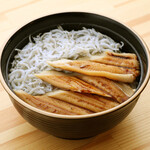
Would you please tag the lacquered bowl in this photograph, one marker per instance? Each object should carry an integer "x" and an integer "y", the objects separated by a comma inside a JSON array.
[{"x": 81, "y": 126}]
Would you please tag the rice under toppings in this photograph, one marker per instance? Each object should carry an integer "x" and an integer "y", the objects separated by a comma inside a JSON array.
[{"x": 54, "y": 45}]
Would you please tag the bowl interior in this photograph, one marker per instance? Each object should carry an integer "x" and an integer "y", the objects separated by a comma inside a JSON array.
[{"x": 75, "y": 21}]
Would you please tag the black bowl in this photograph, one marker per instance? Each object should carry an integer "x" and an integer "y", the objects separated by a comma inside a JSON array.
[{"x": 83, "y": 126}]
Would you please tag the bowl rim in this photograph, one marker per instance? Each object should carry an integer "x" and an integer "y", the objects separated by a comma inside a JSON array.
[{"x": 49, "y": 114}]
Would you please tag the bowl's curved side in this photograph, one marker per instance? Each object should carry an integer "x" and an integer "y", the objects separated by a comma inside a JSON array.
[
  {"x": 74, "y": 128},
  {"x": 84, "y": 125}
]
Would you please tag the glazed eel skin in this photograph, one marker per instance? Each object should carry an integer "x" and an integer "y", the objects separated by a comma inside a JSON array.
[
  {"x": 67, "y": 102},
  {"x": 119, "y": 67}
]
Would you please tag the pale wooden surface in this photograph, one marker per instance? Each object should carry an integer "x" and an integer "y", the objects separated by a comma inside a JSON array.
[{"x": 132, "y": 134}]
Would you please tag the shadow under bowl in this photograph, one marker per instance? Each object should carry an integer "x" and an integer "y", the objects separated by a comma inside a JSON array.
[{"x": 75, "y": 127}]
